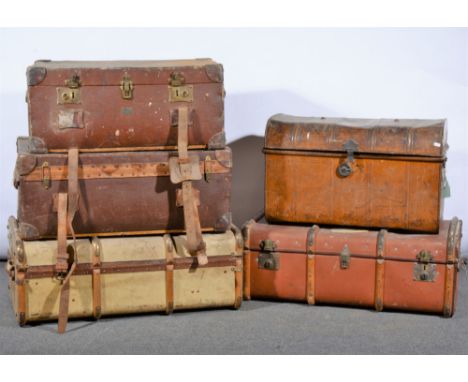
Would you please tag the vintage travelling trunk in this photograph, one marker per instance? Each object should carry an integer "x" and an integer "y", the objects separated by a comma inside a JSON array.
[
  {"x": 119, "y": 192},
  {"x": 124, "y": 104},
  {"x": 378, "y": 173},
  {"x": 123, "y": 276},
  {"x": 414, "y": 272}
]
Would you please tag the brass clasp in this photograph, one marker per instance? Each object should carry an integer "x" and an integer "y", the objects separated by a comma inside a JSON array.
[
  {"x": 126, "y": 86},
  {"x": 45, "y": 170}
]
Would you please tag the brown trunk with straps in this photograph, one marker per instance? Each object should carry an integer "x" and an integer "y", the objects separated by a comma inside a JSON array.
[
  {"x": 121, "y": 193},
  {"x": 353, "y": 267}
]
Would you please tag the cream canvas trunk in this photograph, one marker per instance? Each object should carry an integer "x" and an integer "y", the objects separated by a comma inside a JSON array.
[{"x": 124, "y": 275}]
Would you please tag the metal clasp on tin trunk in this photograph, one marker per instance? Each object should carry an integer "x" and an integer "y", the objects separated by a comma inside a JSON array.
[
  {"x": 424, "y": 270},
  {"x": 346, "y": 168},
  {"x": 268, "y": 258}
]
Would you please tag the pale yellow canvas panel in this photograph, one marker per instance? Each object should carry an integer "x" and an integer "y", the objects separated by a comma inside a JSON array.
[
  {"x": 133, "y": 292},
  {"x": 217, "y": 244},
  {"x": 204, "y": 287},
  {"x": 133, "y": 248},
  {"x": 44, "y": 252},
  {"x": 42, "y": 298}
]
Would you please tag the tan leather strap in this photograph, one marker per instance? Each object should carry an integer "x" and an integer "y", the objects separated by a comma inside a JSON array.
[
  {"x": 380, "y": 271},
  {"x": 169, "y": 274},
  {"x": 67, "y": 206},
  {"x": 183, "y": 170},
  {"x": 310, "y": 264},
  {"x": 61, "y": 265},
  {"x": 96, "y": 262}
]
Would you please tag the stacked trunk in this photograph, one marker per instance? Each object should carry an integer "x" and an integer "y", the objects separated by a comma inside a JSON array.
[
  {"x": 123, "y": 186},
  {"x": 356, "y": 174}
]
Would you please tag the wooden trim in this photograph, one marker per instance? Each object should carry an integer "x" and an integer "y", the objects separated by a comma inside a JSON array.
[
  {"x": 130, "y": 233},
  {"x": 247, "y": 274},
  {"x": 20, "y": 298},
  {"x": 311, "y": 247},
  {"x": 450, "y": 277},
  {"x": 310, "y": 279},
  {"x": 40, "y": 271},
  {"x": 169, "y": 274},
  {"x": 123, "y": 170},
  {"x": 96, "y": 285},
  {"x": 124, "y": 149},
  {"x": 380, "y": 271},
  {"x": 238, "y": 283},
  {"x": 448, "y": 290}
]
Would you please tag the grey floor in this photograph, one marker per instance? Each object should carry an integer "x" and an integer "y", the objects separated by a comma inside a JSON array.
[{"x": 257, "y": 327}]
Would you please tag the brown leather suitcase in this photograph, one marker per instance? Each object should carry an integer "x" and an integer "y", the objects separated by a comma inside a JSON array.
[
  {"x": 120, "y": 193},
  {"x": 104, "y": 105},
  {"x": 125, "y": 275},
  {"x": 355, "y": 172},
  {"x": 413, "y": 272}
]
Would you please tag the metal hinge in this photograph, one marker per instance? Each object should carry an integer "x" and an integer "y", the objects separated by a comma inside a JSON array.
[
  {"x": 424, "y": 270},
  {"x": 126, "y": 86},
  {"x": 268, "y": 258}
]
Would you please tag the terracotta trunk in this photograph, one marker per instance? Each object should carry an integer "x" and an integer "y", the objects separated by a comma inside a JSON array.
[
  {"x": 124, "y": 275},
  {"x": 353, "y": 267},
  {"x": 124, "y": 104},
  {"x": 120, "y": 193},
  {"x": 355, "y": 172}
]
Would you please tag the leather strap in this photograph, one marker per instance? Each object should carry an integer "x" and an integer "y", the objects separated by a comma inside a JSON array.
[
  {"x": 66, "y": 209},
  {"x": 169, "y": 274},
  {"x": 186, "y": 171},
  {"x": 380, "y": 271},
  {"x": 311, "y": 249},
  {"x": 96, "y": 263}
]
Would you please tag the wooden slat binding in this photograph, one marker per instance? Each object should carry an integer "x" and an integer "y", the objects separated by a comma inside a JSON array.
[
  {"x": 169, "y": 274},
  {"x": 310, "y": 263},
  {"x": 379, "y": 271}
]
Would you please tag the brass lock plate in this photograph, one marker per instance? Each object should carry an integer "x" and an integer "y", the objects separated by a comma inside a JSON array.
[
  {"x": 181, "y": 93},
  {"x": 268, "y": 260},
  {"x": 68, "y": 96},
  {"x": 424, "y": 272}
]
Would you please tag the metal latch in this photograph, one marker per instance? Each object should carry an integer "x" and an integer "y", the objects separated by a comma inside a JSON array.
[
  {"x": 45, "y": 170},
  {"x": 268, "y": 258},
  {"x": 178, "y": 91},
  {"x": 126, "y": 86},
  {"x": 345, "y": 169},
  {"x": 70, "y": 94},
  {"x": 424, "y": 270},
  {"x": 345, "y": 257}
]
